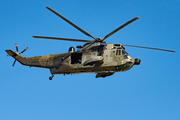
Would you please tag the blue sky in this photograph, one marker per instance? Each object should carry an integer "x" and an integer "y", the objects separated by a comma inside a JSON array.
[{"x": 149, "y": 91}]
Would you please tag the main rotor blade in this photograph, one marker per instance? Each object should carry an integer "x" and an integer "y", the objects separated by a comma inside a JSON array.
[
  {"x": 70, "y": 23},
  {"x": 150, "y": 48},
  {"x": 67, "y": 39},
  {"x": 121, "y": 27}
]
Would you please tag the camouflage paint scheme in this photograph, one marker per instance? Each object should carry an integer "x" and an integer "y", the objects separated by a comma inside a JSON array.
[{"x": 101, "y": 58}]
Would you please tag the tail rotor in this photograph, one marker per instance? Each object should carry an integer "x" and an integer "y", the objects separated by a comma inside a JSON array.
[{"x": 18, "y": 53}]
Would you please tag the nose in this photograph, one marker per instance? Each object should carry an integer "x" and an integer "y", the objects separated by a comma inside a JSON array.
[{"x": 137, "y": 61}]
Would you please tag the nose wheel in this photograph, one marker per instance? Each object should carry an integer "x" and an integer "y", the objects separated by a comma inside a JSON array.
[{"x": 50, "y": 78}]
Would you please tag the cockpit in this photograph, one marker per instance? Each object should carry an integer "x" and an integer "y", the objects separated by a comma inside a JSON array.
[{"x": 120, "y": 50}]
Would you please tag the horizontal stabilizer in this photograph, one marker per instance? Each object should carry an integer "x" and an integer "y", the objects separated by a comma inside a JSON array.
[{"x": 11, "y": 53}]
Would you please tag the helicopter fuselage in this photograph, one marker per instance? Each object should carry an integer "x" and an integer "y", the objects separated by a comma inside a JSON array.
[
  {"x": 110, "y": 59},
  {"x": 98, "y": 58}
]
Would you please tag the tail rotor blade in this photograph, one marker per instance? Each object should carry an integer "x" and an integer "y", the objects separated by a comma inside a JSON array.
[
  {"x": 14, "y": 62},
  {"x": 23, "y": 50},
  {"x": 16, "y": 47}
]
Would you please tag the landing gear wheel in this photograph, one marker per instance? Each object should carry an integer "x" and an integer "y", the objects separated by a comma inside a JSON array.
[{"x": 50, "y": 78}]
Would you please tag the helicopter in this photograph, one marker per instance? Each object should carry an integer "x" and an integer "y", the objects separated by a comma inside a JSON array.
[{"x": 95, "y": 56}]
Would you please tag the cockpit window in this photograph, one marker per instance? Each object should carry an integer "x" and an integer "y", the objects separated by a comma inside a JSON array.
[
  {"x": 124, "y": 52},
  {"x": 125, "y": 57},
  {"x": 116, "y": 52},
  {"x": 119, "y": 52}
]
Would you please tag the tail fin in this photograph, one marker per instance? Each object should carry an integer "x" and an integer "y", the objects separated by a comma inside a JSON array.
[
  {"x": 16, "y": 56},
  {"x": 11, "y": 53}
]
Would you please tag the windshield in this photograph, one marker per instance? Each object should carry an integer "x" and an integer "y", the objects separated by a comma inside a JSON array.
[{"x": 124, "y": 52}]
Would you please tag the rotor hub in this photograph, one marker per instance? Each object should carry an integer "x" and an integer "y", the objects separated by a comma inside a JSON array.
[{"x": 98, "y": 39}]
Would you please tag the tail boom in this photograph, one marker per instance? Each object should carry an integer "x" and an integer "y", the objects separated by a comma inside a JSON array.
[{"x": 38, "y": 61}]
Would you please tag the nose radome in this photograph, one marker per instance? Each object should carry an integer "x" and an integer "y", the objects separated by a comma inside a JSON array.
[{"x": 137, "y": 61}]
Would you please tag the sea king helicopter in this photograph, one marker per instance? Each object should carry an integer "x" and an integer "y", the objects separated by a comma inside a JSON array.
[{"x": 95, "y": 56}]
